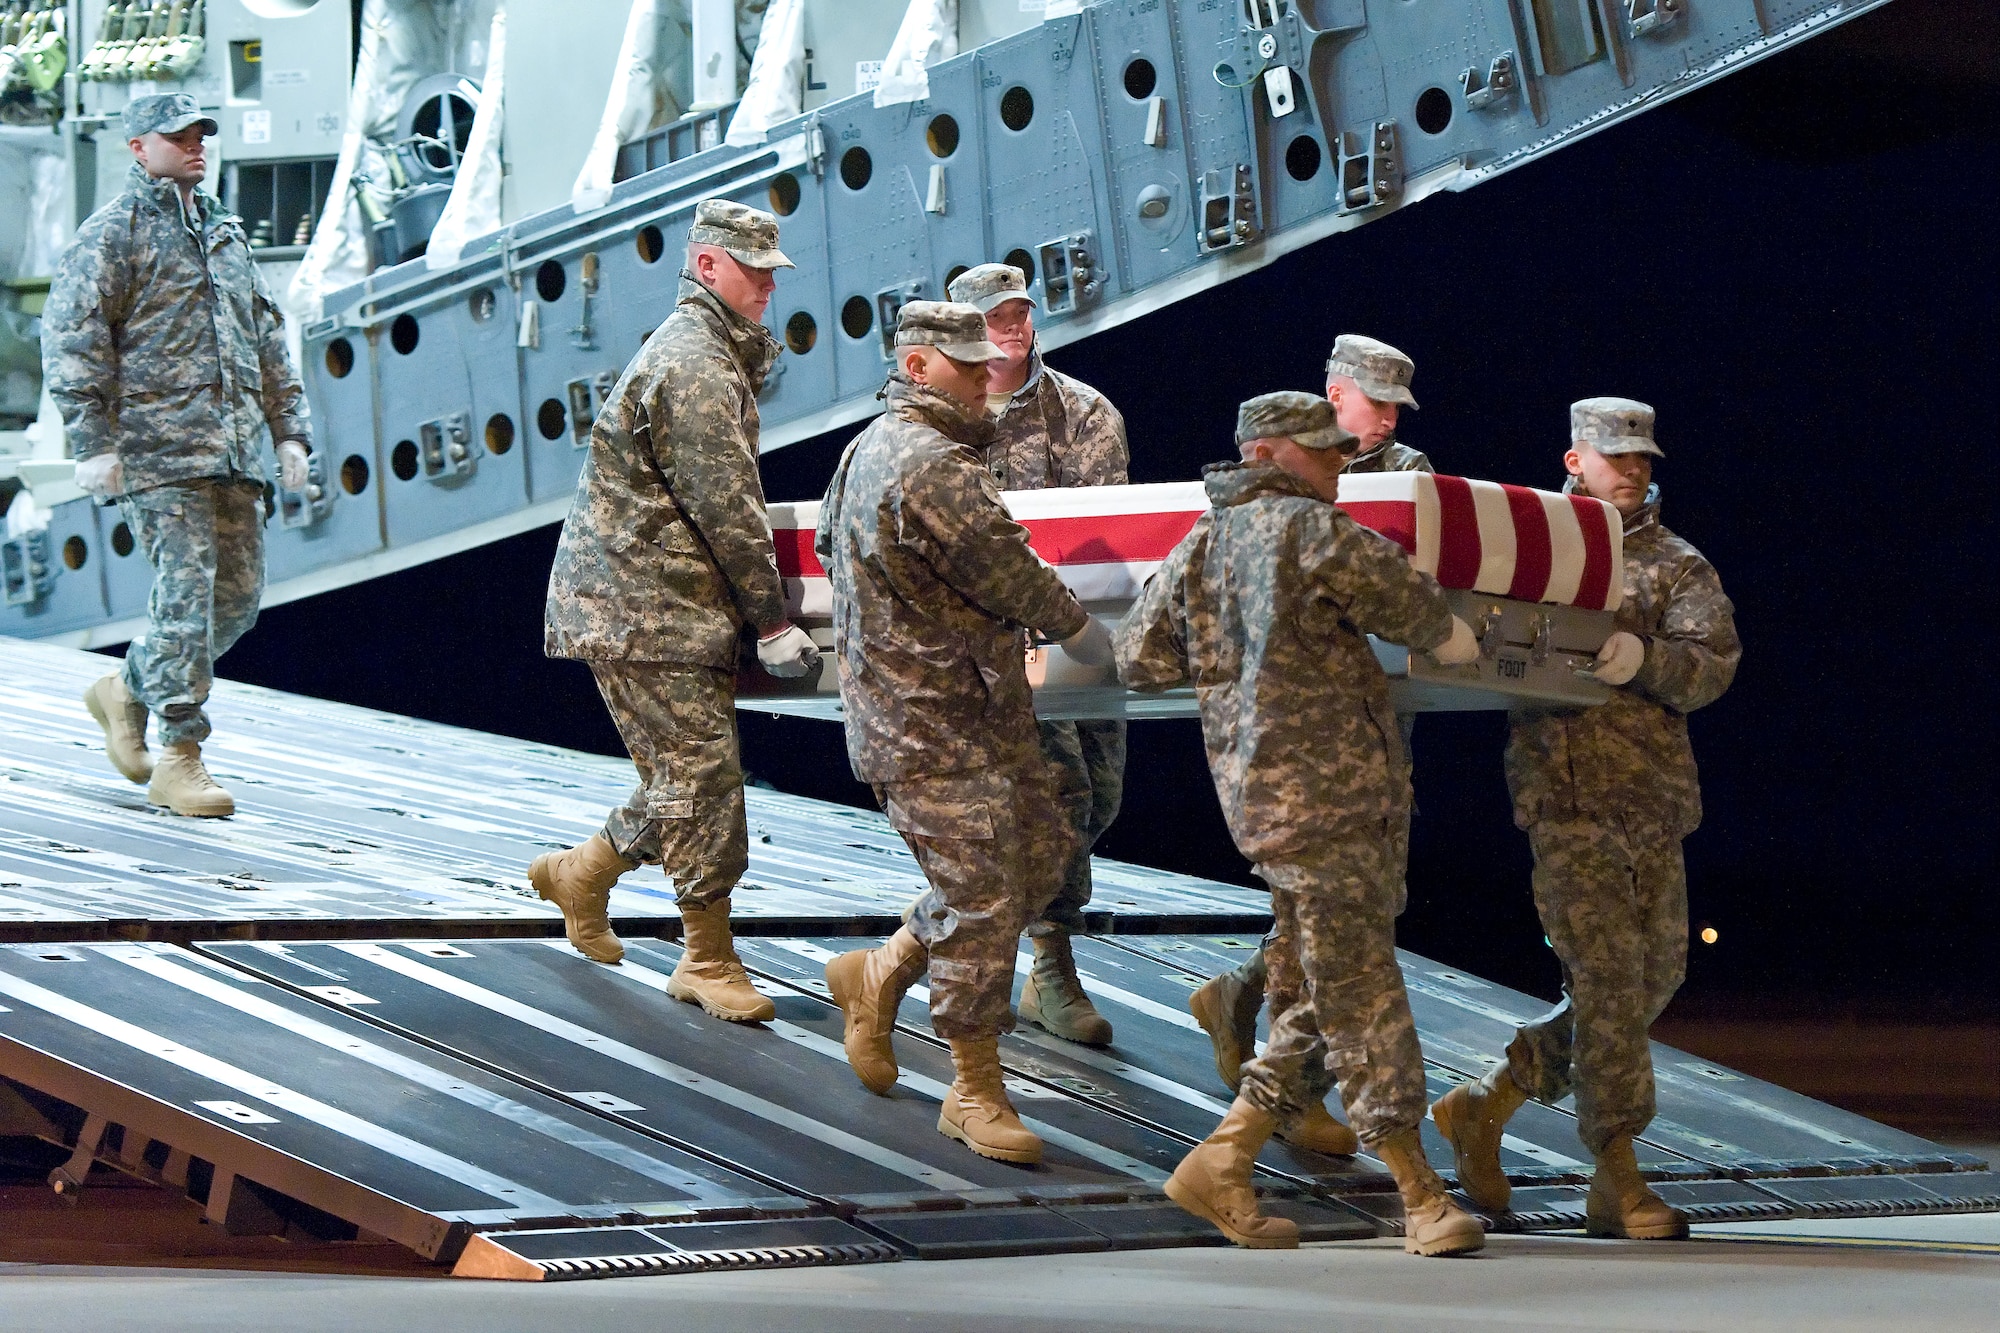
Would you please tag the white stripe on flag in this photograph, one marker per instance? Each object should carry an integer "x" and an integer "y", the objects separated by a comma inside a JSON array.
[
  {"x": 1565, "y": 549},
  {"x": 1429, "y": 537},
  {"x": 1497, "y": 544}
]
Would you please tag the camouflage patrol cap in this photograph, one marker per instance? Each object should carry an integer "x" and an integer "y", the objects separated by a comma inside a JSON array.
[
  {"x": 1304, "y": 419},
  {"x": 1614, "y": 426},
  {"x": 1380, "y": 371},
  {"x": 990, "y": 285},
  {"x": 164, "y": 113},
  {"x": 747, "y": 235},
  {"x": 956, "y": 329}
]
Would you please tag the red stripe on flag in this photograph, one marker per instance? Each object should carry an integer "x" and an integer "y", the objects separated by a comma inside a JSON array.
[
  {"x": 1394, "y": 519},
  {"x": 1533, "y": 556},
  {"x": 1096, "y": 539},
  {"x": 1459, "y": 551},
  {"x": 1594, "y": 592},
  {"x": 795, "y": 554},
  {"x": 1110, "y": 539}
]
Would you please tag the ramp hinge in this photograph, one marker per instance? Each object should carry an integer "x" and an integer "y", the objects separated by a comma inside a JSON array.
[
  {"x": 310, "y": 503},
  {"x": 445, "y": 447},
  {"x": 889, "y": 303},
  {"x": 1070, "y": 279},
  {"x": 1371, "y": 170},
  {"x": 1645, "y": 17},
  {"x": 587, "y": 396},
  {"x": 1228, "y": 208},
  {"x": 1492, "y": 89},
  {"x": 25, "y": 571}
]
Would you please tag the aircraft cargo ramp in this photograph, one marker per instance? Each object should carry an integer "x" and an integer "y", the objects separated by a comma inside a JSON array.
[{"x": 343, "y": 1016}]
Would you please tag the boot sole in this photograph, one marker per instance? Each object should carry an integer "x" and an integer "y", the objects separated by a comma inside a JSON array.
[
  {"x": 192, "y": 812},
  {"x": 1445, "y": 1245},
  {"x": 103, "y": 720},
  {"x": 1188, "y": 1201},
  {"x": 538, "y": 877},
  {"x": 689, "y": 995},
  {"x": 1035, "y": 1017},
  {"x": 1605, "y": 1231},
  {"x": 1019, "y": 1156},
  {"x": 1448, "y": 1126},
  {"x": 1219, "y": 1029}
]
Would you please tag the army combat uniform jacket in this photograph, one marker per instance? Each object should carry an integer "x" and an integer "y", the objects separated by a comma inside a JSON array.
[
  {"x": 162, "y": 344},
  {"x": 1391, "y": 457},
  {"x": 1057, "y": 431},
  {"x": 1265, "y": 607},
  {"x": 1629, "y": 758},
  {"x": 932, "y": 585},
  {"x": 667, "y": 552}
]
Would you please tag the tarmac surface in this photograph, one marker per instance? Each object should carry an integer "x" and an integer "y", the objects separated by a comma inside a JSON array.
[{"x": 1932, "y": 1273}]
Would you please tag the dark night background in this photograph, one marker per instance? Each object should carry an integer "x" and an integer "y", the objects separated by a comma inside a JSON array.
[{"x": 1796, "y": 267}]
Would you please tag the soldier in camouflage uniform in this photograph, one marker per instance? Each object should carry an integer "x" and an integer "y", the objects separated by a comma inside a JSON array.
[
  {"x": 165, "y": 353},
  {"x": 1606, "y": 794},
  {"x": 1053, "y": 430},
  {"x": 1368, "y": 383},
  {"x": 933, "y": 585},
  {"x": 1266, "y": 606},
  {"x": 665, "y": 565}
]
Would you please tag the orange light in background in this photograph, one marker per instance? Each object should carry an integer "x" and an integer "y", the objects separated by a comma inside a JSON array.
[{"x": 1709, "y": 934}]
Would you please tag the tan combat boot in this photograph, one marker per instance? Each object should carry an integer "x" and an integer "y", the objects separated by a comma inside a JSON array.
[
  {"x": 710, "y": 974},
  {"x": 1213, "y": 1181},
  {"x": 1319, "y": 1131},
  {"x": 1226, "y": 1007},
  {"x": 1471, "y": 1117},
  {"x": 976, "y": 1111},
  {"x": 868, "y": 984},
  {"x": 1622, "y": 1204},
  {"x": 1053, "y": 996},
  {"x": 124, "y": 721},
  {"x": 182, "y": 784},
  {"x": 1432, "y": 1223},
  {"x": 578, "y": 880}
]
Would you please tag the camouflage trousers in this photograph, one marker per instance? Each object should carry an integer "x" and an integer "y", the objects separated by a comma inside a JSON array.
[
  {"x": 686, "y": 815},
  {"x": 1614, "y": 904},
  {"x": 1087, "y": 760},
  {"x": 1338, "y": 1008},
  {"x": 1254, "y": 971},
  {"x": 205, "y": 542},
  {"x": 992, "y": 844}
]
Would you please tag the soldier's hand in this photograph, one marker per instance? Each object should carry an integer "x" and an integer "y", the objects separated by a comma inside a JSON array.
[
  {"x": 292, "y": 465},
  {"x": 788, "y": 653},
  {"x": 1090, "y": 645},
  {"x": 101, "y": 475},
  {"x": 1619, "y": 659},
  {"x": 1460, "y": 648}
]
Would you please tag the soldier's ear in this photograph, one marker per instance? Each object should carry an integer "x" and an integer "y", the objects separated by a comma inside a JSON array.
[
  {"x": 1573, "y": 463},
  {"x": 914, "y": 364}
]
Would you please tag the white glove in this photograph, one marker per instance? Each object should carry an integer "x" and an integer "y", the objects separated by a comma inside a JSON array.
[
  {"x": 1460, "y": 648},
  {"x": 1619, "y": 659},
  {"x": 292, "y": 456},
  {"x": 1090, "y": 645},
  {"x": 101, "y": 475},
  {"x": 788, "y": 653}
]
